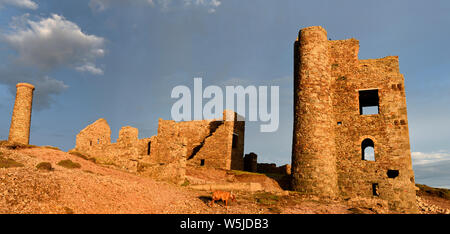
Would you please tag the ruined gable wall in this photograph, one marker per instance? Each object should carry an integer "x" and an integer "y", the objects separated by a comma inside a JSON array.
[
  {"x": 201, "y": 142},
  {"x": 392, "y": 150},
  {"x": 94, "y": 137},
  {"x": 216, "y": 148},
  {"x": 194, "y": 132}
]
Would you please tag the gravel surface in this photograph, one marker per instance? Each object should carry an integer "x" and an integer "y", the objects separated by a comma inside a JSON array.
[{"x": 95, "y": 188}]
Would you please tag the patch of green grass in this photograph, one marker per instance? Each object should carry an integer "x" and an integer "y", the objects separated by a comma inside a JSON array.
[
  {"x": 8, "y": 163},
  {"x": 78, "y": 154},
  {"x": 439, "y": 192},
  {"x": 237, "y": 172},
  {"x": 69, "y": 164},
  {"x": 267, "y": 198},
  {"x": 50, "y": 147},
  {"x": 46, "y": 166},
  {"x": 275, "y": 210},
  {"x": 68, "y": 210},
  {"x": 15, "y": 145},
  {"x": 186, "y": 183}
]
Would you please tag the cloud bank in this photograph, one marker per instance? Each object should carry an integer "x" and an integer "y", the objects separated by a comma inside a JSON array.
[
  {"x": 53, "y": 42},
  {"x": 45, "y": 45},
  {"x": 27, "y": 4},
  {"x": 420, "y": 158},
  {"x": 432, "y": 169},
  {"x": 210, "y": 5}
]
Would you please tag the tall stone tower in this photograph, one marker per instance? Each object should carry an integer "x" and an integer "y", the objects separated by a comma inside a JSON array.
[
  {"x": 351, "y": 137},
  {"x": 313, "y": 153},
  {"x": 19, "y": 131}
]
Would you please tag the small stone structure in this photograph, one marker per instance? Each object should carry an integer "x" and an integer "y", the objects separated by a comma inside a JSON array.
[
  {"x": 250, "y": 162},
  {"x": 343, "y": 107},
  {"x": 209, "y": 143},
  {"x": 19, "y": 131},
  {"x": 273, "y": 169}
]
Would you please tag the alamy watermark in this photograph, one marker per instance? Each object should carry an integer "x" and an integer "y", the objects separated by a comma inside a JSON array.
[{"x": 213, "y": 109}]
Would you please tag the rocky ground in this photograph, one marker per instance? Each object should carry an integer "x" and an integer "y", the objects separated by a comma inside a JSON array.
[{"x": 47, "y": 180}]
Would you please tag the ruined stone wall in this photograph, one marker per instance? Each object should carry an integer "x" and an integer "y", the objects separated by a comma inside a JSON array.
[
  {"x": 210, "y": 143},
  {"x": 168, "y": 146},
  {"x": 390, "y": 178},
  {"x": 272, "y": 168},
  {"x": 237, "y": 149},
  {"x": 19, "y": 131},
  {"x": 388, "y": 129},
  {"x": 201, "y": 142},
  {"x": 251, "y": 162},
  {"x": 95, "y": 142},
  {"x": 95, "y": 137}
]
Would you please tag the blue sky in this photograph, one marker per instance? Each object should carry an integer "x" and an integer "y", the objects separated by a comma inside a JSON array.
[{"x": 120, "y": 59}]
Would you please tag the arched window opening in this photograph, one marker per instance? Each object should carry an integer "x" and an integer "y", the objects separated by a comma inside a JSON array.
[{"x": 368, "y": 150}]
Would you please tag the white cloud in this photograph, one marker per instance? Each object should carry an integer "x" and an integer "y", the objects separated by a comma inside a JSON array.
[
  {"x": 42, "y": 46},
  {"x": 101, "y": 5},
  {"x": 28, "y": 4},
  {"x": 210, "y": 5},
  {"x": 53, "y": 42},
  {"x": 89, "y": 67},
  {"x": 420, "y": 158}
]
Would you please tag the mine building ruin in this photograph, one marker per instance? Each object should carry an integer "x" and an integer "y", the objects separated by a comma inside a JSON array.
[
  {"x": 343, "y": 107},
  {"x": 202, "y": 143}
]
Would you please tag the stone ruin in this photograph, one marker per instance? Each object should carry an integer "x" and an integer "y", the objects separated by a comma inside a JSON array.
[
  {"x": 251, "y": 164},
  {"x": 19, "y": 131},
  {"x": 208, "y": 143},
  {"x": 344, "y": 107}
]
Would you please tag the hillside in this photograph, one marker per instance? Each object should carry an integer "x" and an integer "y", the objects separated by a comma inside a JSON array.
[{"x": 67, "y": 183}]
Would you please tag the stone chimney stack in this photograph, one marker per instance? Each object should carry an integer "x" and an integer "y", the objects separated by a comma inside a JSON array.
[
  {"x": 313, "y": 153},
  {"x": 19, "y": 131}
]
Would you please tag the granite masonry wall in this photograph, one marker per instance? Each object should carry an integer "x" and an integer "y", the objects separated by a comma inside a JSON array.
[
  {"x": 209, "y": 143},
  {"x": 333, "y": 126},
  {"x": 19, "y": 131}
]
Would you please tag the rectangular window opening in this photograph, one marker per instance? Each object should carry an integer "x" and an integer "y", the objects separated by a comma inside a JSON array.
[
  {"x": 369, "y": 102},
  {"x": 202, "y": 162}
]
